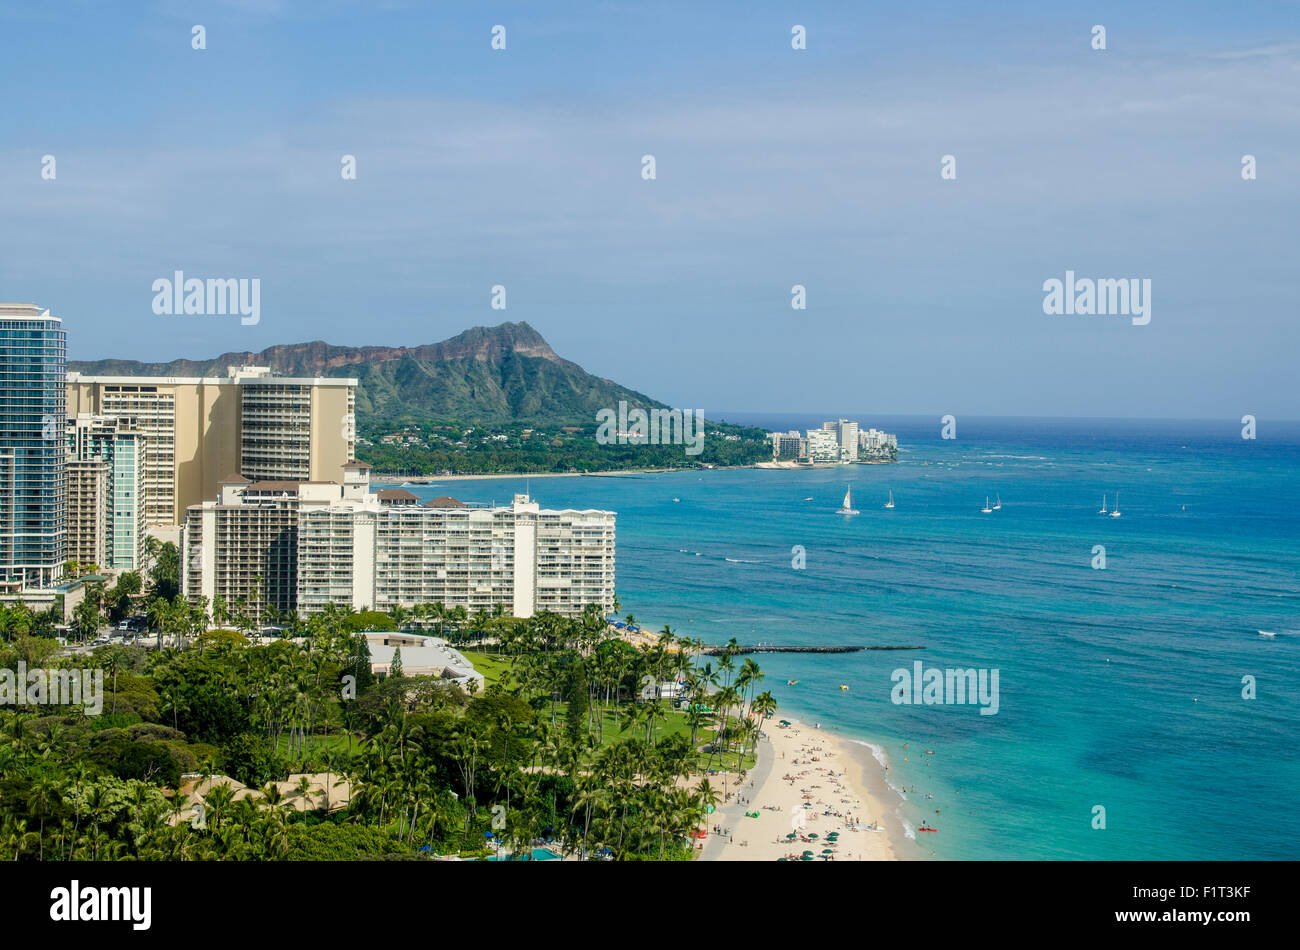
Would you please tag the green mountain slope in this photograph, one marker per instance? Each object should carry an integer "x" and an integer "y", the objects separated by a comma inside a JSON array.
[{"x": 486, "y": 375}]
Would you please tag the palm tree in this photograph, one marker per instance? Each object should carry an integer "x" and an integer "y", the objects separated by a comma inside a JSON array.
[
  {"x": 764, "y": 705},
  {"x": 303, "y": 788},
  {"x": 112, "y": 662},
  {"x": 220, "y": 611},
  {"x": 158, "y": 615}
]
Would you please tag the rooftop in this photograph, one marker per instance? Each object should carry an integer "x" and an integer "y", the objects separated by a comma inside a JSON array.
[{"x": 445, "y": 501}]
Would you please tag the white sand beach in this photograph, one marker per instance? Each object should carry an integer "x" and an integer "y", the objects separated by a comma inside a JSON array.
[{"x": 811, "y": 784}]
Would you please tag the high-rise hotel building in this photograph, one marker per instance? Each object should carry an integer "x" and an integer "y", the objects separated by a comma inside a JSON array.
[
  {"x": 198, "y": 430},
  {"x": 33, "y": 353},
  {"x": 105, "y": 488},
  {"x": 303, "y": 545}
]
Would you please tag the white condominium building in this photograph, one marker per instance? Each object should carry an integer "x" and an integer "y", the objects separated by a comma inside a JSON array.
[
  {"x": 846, "y": 434},
  {"x": 873, "y": 440},
  {"x": 344, "y": 544},
  {"x": 823, "y": 446}
]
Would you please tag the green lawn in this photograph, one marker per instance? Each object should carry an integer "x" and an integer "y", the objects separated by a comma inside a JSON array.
[
  {"x": 492, "y": 666},
  {"x": 335, "y": 742}
]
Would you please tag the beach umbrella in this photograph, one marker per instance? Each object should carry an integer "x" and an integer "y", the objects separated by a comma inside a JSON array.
[
  {"x": 807, "y": 852},
  {"x": 812, "y": 835},
  {"x": 488, "y": 834},
  {"x": 791, "y": 836},
  {"x": 828, "y": 850},
  {"x": 807, "y": 857}
]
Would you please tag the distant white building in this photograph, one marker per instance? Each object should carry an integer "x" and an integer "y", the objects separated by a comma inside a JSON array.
[
  {"x": 788, "y": 445},
  {"x": 421, "y": 656},
  {"x": 839, "y": 440},
  {"x": 873, "y": 441},
  {"x": 846, "y": 434},
  {"x": 823, "y": 446}
]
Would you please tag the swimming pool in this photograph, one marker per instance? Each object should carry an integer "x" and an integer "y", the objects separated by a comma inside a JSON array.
[{"x": 539, "y": 854}]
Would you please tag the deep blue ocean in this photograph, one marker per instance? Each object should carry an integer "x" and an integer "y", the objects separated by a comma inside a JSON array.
[{"x": 1119, "y": 687}]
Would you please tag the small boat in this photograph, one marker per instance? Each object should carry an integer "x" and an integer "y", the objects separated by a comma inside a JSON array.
[
  {"x": 986, "y": 509},
  {"x": 1115, "y": 513},
  {"x": 927, "y": 829},
  {"x": 676, "y": 499},
  {"x": 1103, "y": 506},
  {"x": 842, "y": 686},
  {"x": 997, "y": 505},
  {"x": 791, "y": 682},
  {"x": 1268, "y": 633},
  {"x": 809, "y": 498},
  {"x": 847, "y": 508},
  {"x": 890, "y": 503}
]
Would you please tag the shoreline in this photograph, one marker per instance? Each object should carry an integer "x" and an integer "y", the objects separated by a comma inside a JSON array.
[
  {"x": 388, "y": 478},
  {"x": 839, "y": 782}
]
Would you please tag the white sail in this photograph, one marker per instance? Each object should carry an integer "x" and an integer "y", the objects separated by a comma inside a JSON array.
[{"x": 847, "y": 507}]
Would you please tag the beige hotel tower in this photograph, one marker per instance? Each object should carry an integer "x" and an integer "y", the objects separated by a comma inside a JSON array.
[{"x": 198, "y": 431}]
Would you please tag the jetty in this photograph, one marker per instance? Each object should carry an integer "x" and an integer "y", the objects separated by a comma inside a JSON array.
[{"x": 742, "y": 650}]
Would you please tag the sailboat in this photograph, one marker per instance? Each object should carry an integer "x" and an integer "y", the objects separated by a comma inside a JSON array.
[
  {"x": 1115, "y": 513},
  {"x": 847, "y": 508},
  {"x": 986, "y": 509},
  {"x": 890, "y": 504},
  {"x": 1103, "y": 506},
  {"x": 997, "y": 506}
]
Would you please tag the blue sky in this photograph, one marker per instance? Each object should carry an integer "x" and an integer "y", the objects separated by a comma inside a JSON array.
[{"x": 775, "y": 167}]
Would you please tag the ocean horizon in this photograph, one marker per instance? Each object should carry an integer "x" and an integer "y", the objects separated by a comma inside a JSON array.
[{"x": 1125, "y": 684}]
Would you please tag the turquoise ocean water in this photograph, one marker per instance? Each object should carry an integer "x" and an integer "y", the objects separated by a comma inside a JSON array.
[{"x": 1120, "y": 688}]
